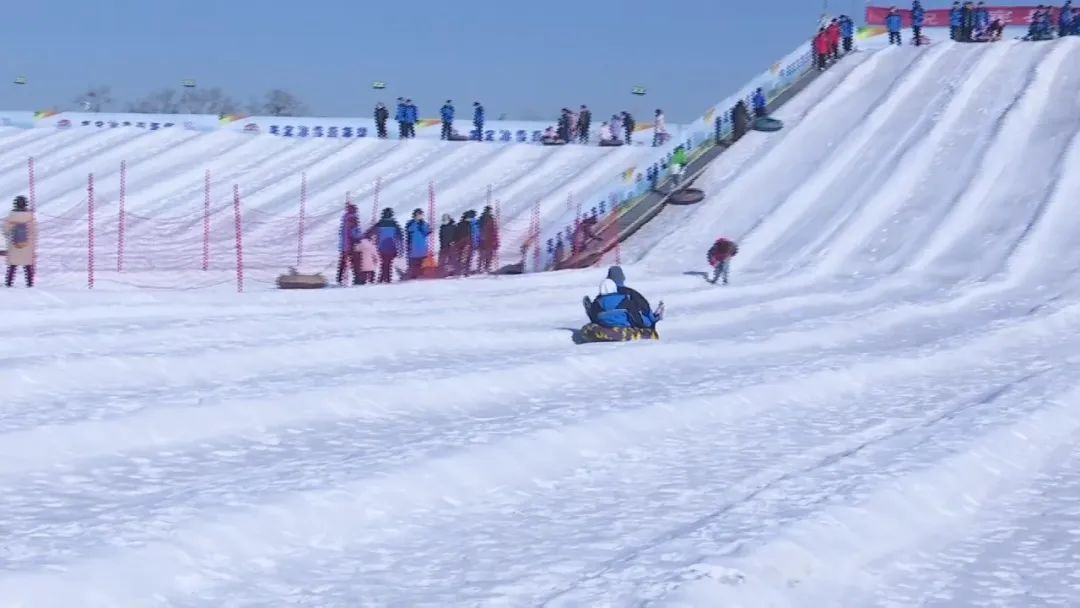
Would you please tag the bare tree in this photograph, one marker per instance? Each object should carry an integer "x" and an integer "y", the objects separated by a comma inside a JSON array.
[
  {"x": 164, "y": 101},
  {"x": 95, "y": 99},
  {"x": 279, "y": 103}
]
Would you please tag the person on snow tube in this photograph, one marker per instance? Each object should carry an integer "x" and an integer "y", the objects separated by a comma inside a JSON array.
[{"x": 620, "y": 312}]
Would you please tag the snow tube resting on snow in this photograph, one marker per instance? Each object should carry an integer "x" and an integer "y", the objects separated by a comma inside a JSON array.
[
  {"x": 686, "y": 196},
  {"x": 767, "y": 124},
  {"x": 592, "y": 332},
  {"x": 295, "y": 280}
]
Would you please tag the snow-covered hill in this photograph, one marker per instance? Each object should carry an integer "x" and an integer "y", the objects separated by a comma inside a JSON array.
[{"x": 881, "y": 410}]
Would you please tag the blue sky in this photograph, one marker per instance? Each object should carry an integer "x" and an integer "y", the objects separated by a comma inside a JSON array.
[{"x": 521, "y": 58}]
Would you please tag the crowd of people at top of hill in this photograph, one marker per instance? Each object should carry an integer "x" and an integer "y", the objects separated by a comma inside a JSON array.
[
  {"x": 973, "y": 22},
  {"x": 834, "y": 38},
  {"x": 465, "y": 246},
  {"x": 571, "y": 127}
]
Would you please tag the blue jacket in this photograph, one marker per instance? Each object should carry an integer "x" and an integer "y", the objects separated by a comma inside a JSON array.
[
  {"x": 894, "y": 23},
  {"x": 388, "y": 237},
  {"x": 478, "y": 115},
  {"x": 956, "y": 17},
  {"x": 410, "y": 113},
  {"x": 475, "y": 226},
  {"x": 982, "y": 18},
  {"x": 399, "y": 116},
  {"x": 447, "y": 113},
  {"x": 417, "y": 232},
  {"x": 918, "y": 15},
  {"x": 624, "y": 308},
  {"x": 847, "y": 27},
  {"x": 759, "y": 100},
  {"x": 1066, "y": 17}
]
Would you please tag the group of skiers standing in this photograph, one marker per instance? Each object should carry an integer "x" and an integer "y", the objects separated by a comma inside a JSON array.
[
  {"x": 619, "y": 130},
  {"x": 832, "y": 36},
  {"x": 376, "y": 248},
  {"x": 407, "y": 115}
]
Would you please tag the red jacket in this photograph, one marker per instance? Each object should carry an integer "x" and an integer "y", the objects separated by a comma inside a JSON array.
[
  {"x": 834, "y": 34},
  {"x": 722, "y": 250},
  {"x": 821, "y": 44}
]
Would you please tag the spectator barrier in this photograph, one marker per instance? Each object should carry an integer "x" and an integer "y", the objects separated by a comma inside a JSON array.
[{"x": 108, "y": 239}]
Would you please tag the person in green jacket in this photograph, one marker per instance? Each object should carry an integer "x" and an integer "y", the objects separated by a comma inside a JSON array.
[{"x": 678, "y": 164}]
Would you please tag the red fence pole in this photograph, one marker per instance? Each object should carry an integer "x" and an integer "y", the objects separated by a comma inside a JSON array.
[
  {"x": 239, "y": 240},
  {"x": 431, "y": 217},
  {"x": 90, "y": 231},
  {"x": 375, "y": 201},
  {"x": 206, "y": 222},
  {"x": 120, "y": 218},
  {"x": 498, "y": 233},
  {"x": 300, "y": 223},
  {"x": 536, "y": 236},
  {"x": 618, "y": 229},
  {"x": 33, "y": 199},
  {"x": 487, "y": 198}
]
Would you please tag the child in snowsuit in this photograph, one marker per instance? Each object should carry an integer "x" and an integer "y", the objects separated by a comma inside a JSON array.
[{"x": 720, "y": 255}]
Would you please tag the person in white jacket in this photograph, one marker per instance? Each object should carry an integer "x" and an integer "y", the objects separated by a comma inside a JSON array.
[
  {"x": 606, "y": 135},
  {"x": 20, "y": 232},
  {"x": 660, "y": 133}
]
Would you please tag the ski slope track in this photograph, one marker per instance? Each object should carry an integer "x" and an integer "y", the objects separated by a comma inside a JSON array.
[{"x": 882, "y": 409}]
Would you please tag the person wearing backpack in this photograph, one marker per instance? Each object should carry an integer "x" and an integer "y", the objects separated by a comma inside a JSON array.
[
  {"x": 719, "y": 256},
  {"x": 20, "y": 231}
]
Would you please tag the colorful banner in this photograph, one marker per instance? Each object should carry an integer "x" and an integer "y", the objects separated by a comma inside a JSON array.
[{"x": 1009, "y": 15}]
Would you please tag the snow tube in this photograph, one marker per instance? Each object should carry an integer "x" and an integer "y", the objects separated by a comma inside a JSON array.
[
  {"x": 295, "y": 280},
  {"x": 686, "y": 196},
  {"x": 611, "y": 143},
  {"x": 555, "y": 142},
  {"x": 592, "y": 332},
  {"x": 767, "y": 124}
]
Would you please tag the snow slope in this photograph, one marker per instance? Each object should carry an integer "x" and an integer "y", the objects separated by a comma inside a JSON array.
[{"x": 882, "y": 410}]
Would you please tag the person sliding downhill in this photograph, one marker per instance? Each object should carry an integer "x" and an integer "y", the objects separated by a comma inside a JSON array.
[{"x": 621, "y": 309}]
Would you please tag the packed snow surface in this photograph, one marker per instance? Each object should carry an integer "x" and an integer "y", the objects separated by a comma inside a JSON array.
[{"x": 883, "y": 409}]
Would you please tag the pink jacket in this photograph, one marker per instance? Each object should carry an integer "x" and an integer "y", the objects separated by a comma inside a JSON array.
[{"x": 369, "y": 257}]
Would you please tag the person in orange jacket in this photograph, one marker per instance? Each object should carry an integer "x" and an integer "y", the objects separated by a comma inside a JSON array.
[{"x": 720, "y": 255}]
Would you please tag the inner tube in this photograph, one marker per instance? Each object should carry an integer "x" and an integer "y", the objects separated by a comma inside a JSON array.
[
  {"x": 592, "y": 332},
  {"x": 611, "y": 143},
  {"x": 556, "y": 142},
  {"x": 301, "y": 281},
  {"x": 767, "y": 124},
  {"x": 686, "y": 196}
]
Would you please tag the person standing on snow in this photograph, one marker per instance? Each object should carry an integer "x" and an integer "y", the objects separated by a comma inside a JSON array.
[
  {"x": 417, "y": 231},
  {"x": 388, "y": 237},
  {"x": 381, "y": 116},
  {"x": 366, "y": 259},
  {"x": 347, "y": 238},
  {"x": 895, "y": 24},
  {"x": 833, "y": 32},
  {"x": 447, "y": 256},
  {"x": 847, "y": 32},
  {"x": 399, "y": 117},
  {"x": 956, "y": 20},
  {"x": 918, "y": 18},
  {"x": 761, "y": 105},
  {"x": 628, "y": 126},
  {"x": 720, "y": 255},
  {"x": 584, "y": 124},
  {"x": 678, "y": 164},
  {"x": 478, "y": 121},
  {"x": 660, "y": 134},
  {"x": 982, "y": 18},
  {"x": 412, "y": 116},
  {"x": 20, "y": 232},
  {"x": 489, "y": 239},
  {"x": 1065, "y": 19},
  {"x": 821, "y": 49},
  {"x": 447, "y": 115},
  {"x": 967, "y": 27}
]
